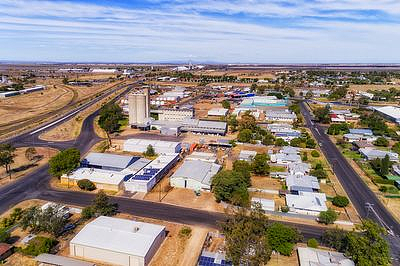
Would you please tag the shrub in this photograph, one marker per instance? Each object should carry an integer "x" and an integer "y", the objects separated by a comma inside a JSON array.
[
  {"x": 86, "y": 184},
  {"x": 39, "y": 245},
  {"x": 314, "y": 153},
  {"x": 285, "y": 209},
  {"x": 87, "y": 212},
  {"x": 383, "y": 188},
  {"x": 327, "y": 217},
  {"x": 312, "y": 243},
  {"x": 340, "y": 201},
  {"x": 4, "y": 235},
  {"x": 185, "y": 231}
]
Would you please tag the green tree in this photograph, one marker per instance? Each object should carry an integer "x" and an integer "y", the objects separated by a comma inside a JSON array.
[
  {"x": 245, "y": 135},
  {"x": 310, "y": 143},
  {"x": 109, "y": 118},
  {"x": 64, "y": 162},
  {"x": 102, "y": 205},
  {"x": 335, "y": 238},
  {"x": 246, "y": 238},
  {"x": 280, "y": 142},
  {"x": 268, "y": 139},
  {"x": 232, "y": 122},
  {"x": 7, "y": 156},
  {"x": 247, "y": 121},
  {"x": 336, "y": 129},
  {"x": 226, "y": 104},
  {"x": 382, "y": 142},
  {"x": 312, "y": 243},
  {"x": 150, "y": 152},
  {"x": 368, "y": 247},
  {"x": 319, "y": 173},
  {"x": 231, "y": 186},
  {"x": 30, "y": 153},
  {"x": 309, "y": 95},
  {"x": 260, "y": 165},
  {"x": 4, "y": 234},
  {"x": 322, "y": 114},
  {"x": 39, "y": 245},
  {"x": 327, "y": 217},
  {"x": 282, "y": 238},
  {"x": 314, "y": 153},
  {"x": 65, "y": 81},
  {"x": 244, "y": 168},
  {"x": 340, "y": 201},
  {"x": 385, "y": 165},
  {"x": 396, "y": 147},
  {"x": 296, "y": 142}
]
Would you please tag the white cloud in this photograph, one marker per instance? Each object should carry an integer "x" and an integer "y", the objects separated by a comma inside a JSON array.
[{"x": 33, "y": 29}]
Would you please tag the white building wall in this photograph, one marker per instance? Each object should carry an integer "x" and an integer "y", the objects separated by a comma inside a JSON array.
[
  {"x": 108, "y": 256},
  {"x": 190, "y": 183}
]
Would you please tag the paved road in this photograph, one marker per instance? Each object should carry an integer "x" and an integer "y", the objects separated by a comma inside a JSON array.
[{"x": 358, "y": 192}]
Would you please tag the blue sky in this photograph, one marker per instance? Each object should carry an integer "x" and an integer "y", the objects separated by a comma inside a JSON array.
[{"x": 246, "y": 31}]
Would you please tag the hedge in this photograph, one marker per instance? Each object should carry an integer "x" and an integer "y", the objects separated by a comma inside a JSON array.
[{"x": 86, "y": 184}]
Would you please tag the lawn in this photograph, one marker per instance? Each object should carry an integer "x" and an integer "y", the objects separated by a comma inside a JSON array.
[
  {"x": 351, "y": 154},
  {"x": 275, "y": 168}
]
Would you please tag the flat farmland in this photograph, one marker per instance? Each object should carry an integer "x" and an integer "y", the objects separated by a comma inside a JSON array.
[{"x": 372, "y": 87}]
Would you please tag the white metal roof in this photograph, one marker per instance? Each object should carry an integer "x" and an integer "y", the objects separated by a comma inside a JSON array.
[
  {"x": 60, "y": 260},
  {"x": 200, "y": 171},
  {"x": 302, "y": 182},
  {"x": 109, "y": 160},
  {"x": 391, "y": 111},
  {"x": 310, "y": 201},
  {"x": 154, "y": 143},
  {"x": 266, "y": 204},
  {"x": 202, "y": 156},
  {"x": 217, "y": 111},
  {"x": 312, "y": 256},
  {"x": 98, "y": 175},
  {"x": 118, "y": 235}
]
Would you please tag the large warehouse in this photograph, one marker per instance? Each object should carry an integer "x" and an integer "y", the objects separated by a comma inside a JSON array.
[
  {"x": 118, "y": 241},
  {"x": 160, "y": 147}
]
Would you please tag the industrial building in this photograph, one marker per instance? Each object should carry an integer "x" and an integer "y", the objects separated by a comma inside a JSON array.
[
  {"x": 46, "y": 259},
  {"x": 118, "y": 241},
  {"x": 391, "y": 113},
  {"x": 107, "y": 161},
  {"x": 192, "y": 125},
  {"x": 159, "y": 146},
  {"x": 174, "y": 114},
  {"x": 103, "y": 179},
  {"x": 262, "y": 101},
  {"x": 195, "y": 174},
  {"x": 146, "y": 178},
  {"x": 280, "y": 116},
  {"x": 24, "y": 91},
  {"x": 139, "y": 109},
  {"x": 202, "y": 156},
  {"x": 217, "y": 112}
]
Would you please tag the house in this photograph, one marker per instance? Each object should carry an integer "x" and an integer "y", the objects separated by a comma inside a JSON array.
[
  {"x": 308, "y": 203},
  {"x": 290, "y": 150},
  {"x": 289, "y": 135},
  {"x": 299, "y": 168},
  {"x": 351, "y": 137},
  {"x": 361, "y": 131},
  {"x": 280, "y": 116},
  {"x": 195, "y": 174},
  {"x": 46, "y": 259},
  {"x": 371, "y": 154},
  {"x": 247, "y": 156},
  {"x": 213, "y": 258},
  {"x": 297, "y": 183},
  {"x": 117, "y": 241},
  {"x": 266, "y": 204},
  {"x": 312, "y": 256},
  {"x": 5, "y": 251}
]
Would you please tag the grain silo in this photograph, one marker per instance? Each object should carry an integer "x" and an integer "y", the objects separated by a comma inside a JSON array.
[{"x": 139, "y": 109}]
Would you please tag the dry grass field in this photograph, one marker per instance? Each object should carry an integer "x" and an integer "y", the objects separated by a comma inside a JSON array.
[
  {"x": 372, "y": 87},
  {"x": 29, "y": 105}
]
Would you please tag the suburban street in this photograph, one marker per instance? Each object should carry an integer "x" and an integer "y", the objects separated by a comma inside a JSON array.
[
  {"x": 359, "y": 193},
  {"x": 36, "y": 186}
]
